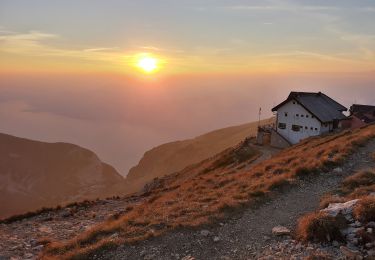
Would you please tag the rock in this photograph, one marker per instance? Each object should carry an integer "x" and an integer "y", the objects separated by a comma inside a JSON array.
[
  {"x": 266, "y": 238},
  {"x": 216, "y": 239},
  {"x": 66, "y": 213},
  {"x": 38, "y": 248},
  {"x": 371, "y": 224},
  {"x": 346, "y": 208},
  {"x": 149, "y": 257},
  {"x": 369, "y": 230},
  {"x": 356, "y": 224},
  {"x": 188, "y": 257},
  {"x": 335, "y": 243},
  {"x": 280, "y": 231},
  {"x": 45, "y": 229},
  {"x": 113, "y": 236},
  {"x": 338, "y": 170},
  {"x": 143, "y": 253},
  {"x": 351, "y": 254},
  {"x": 205, "y": 233},
  {"x": 371, "y": 252}
]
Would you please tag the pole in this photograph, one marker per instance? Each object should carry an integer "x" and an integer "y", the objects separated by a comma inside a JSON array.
[{"x": 260, "y": 109}]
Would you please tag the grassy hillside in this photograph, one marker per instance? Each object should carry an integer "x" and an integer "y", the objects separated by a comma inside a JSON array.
[
  {"x": 36, "y": 174},
  {"x": 209, "y": 190},
  {"x": 172, "y": 157}
]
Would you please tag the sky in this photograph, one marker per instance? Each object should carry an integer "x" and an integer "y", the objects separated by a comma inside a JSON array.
[{"x": 68, "y": 69}]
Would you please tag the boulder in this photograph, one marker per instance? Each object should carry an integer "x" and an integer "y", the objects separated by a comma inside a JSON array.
[{"x": 346, "y": 208}]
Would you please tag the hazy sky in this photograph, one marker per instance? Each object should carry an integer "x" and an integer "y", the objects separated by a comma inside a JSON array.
[
  {"x": 68, "y": 68},
  {"x": 188, "y": 35}
]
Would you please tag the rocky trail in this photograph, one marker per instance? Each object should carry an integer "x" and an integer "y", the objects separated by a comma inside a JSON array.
[
  {"x": 249, "y": 235},
  {"x": 24, "y": 239}
]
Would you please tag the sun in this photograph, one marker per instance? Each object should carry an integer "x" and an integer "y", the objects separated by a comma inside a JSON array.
[{"x": 148, "y": 64}]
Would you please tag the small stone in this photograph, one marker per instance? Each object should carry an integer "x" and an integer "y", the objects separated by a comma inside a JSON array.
[
  {"x": 66, "y": 213},
  {"x": 45, "y": 229},
  {"x": 349, "y": 253},
  {"x": 371, "y": 224},
  {"x": 216, "y": 239},
  {"x": 338, "y": 169},
  {"x": 335, "y": 243},
  {"x": 205, "y": 233},
  {"x": 38, "y": 248},
  {"x": 280, "y": 231},
  {"x": 266, "y": 238},
  {"x": 369, "y": 230},
  {"x": 113, "y": 236}
]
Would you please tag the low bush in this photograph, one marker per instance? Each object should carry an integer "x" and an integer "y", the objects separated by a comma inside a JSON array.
[
  {"x": 362, "y": 178},
  {"x": 320, "y": 227}
]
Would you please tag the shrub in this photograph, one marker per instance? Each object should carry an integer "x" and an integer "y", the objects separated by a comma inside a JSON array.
[
  {"x": 302, "y": 171},
  {"x": 364, "y": 211},
  {"x": 363, "y": 178},
  {"x": 320, "y": 227}
]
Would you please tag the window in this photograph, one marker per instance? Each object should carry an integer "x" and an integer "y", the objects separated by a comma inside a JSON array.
[
  {"x": 294, "y": 102},
  {"x": 311, "y": 128},
  {"x": 286, "y": 113},
  {"x": 316, "y": 129},
  {"x": 306, "y": 127},
  {"x": 312, "y": 116},
  {"x": 297, "y": 114},
  {"x": 307, "y": 116},
  {"x": 282, "y": 125},
  {"x": 296, "y": 128},
  {"x": 302, "y": 115}
]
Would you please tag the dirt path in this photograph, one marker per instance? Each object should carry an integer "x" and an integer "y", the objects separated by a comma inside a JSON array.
[
  {"x": 267, "y": 153},
  {"x": 245, "y": 236}
]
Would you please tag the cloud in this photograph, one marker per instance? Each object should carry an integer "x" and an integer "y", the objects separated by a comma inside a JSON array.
[
  {"x": 364, "y": 43},
  {"x": 282, "y": 8},
  {"x": 41, "y": 44}
]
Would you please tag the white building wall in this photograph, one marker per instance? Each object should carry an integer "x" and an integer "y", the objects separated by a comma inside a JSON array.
[{"x": 297, "y": 115}]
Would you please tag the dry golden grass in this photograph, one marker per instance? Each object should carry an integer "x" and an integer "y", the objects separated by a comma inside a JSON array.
[
  {"x": 320, "y": 227},
  {"x": 207, "y": 191},
  {"x": 364, "y": 211}
]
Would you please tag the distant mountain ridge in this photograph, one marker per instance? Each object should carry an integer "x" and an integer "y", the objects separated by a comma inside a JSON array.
[
  {"x": 174, "y": 156},
  {"x": 36, "y": 174}
]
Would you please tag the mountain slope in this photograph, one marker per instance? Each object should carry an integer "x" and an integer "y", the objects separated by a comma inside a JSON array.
[
  {"x": 36, "y": 174},
  {"x": 172, "y": 157},
  {"x": 212, "y": 190}
]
